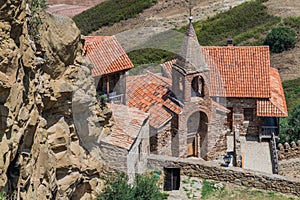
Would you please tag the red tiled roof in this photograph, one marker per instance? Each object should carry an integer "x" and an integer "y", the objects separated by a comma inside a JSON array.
[
  {"x": 128, "y": 123},
  {"x": 275, "y": 106},
  {"x": 236, "y": 71},
  {"x": 106, "y": 54},
  {"x": 150, "y": 93},
  {"x": 244, "y": 71}
]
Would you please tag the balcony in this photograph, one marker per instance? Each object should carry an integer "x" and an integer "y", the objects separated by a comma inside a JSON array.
[
  {"x": 267, "y": 131},
  {"x": 113, "y": 98}
]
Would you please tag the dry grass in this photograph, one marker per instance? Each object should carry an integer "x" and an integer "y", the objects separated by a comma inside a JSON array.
[{"x": 233, "y": 192}]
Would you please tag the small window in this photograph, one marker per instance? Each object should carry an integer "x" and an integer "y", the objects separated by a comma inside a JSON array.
[
  {"x": 140, "y": 150},
  {"x": 172, "y": 179},
  {"x": 248, "y": 114}
]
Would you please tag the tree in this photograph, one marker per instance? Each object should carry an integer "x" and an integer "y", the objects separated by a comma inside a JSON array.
[
  {"x": 144, "y": 188},
  {"x": 290, "y": 127},
  {"x": 281, "y": 39}
]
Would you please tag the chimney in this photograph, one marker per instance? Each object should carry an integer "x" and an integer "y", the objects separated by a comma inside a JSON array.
[{"x": 230, "y": 42}]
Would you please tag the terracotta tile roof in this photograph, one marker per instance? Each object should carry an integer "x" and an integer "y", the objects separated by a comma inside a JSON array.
[
  {"x": 159, "y": 116},
  {"x": 106, "y": 54},
  {"x": 244, "y": 71},
  {"x": 275, "y": 106},
  {"x": 167, "y": 68},
  {"x": 150, "y": 93},
  {"x": 128, "y": 123}
]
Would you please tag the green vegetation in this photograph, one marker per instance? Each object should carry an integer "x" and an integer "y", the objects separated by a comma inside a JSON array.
[
  {"x": 2, "y": 196},
  {"x": 292, "y": 93},
  {"x": 150, "y": 56},
  {"x": 110, "y": 12},
  {"x": 190, "y": 188},
  {"x": 290, "y": 127},
  {"x": 209, "y": 188},
  {"x": 281, "y": 39},
  {"x": 35, "y": 20},
  {"x": 230, "y": 192},
  {"x": 249, "y": 20},
  {"x": 144, "y": 188}
]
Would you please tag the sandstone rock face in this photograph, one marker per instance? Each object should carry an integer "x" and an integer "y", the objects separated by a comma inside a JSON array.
[{"x": 41, "y": 153}]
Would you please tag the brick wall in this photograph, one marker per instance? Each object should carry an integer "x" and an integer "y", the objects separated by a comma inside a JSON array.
[{"x": 211, "y": 170}]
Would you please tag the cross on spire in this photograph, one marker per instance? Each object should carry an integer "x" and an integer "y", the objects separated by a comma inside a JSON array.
[{"x": 190, "y": 9}]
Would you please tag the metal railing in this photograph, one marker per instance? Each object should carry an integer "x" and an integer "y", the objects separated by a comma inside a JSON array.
[
  {"x": 267, "y": 131},
  {"x": 116, "y": 99}
]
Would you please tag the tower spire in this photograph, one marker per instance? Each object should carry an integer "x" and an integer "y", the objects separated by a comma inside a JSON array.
[{"x": 190, "y": 58}]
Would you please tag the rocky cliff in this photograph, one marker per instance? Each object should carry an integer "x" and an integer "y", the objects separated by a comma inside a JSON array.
[{"x": 47, "y": 102}]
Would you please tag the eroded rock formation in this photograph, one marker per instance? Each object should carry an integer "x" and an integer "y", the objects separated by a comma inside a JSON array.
[{"x": 41, "y": 154}]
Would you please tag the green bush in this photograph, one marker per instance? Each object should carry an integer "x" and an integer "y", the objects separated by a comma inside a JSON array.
[
  {"x": 144, "y": 188},
  {"x": 281, "y": 39},
  {"x": 290, "y": 127},
  {"x": 110, "y": 12}
]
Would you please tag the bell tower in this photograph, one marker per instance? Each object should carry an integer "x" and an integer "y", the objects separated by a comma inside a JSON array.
[{"x": 190, "y": 72}]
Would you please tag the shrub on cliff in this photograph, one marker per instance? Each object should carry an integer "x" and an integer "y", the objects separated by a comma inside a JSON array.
[
  {"x": 144, "y": 188},
  {"x": 281, "y": 39}
]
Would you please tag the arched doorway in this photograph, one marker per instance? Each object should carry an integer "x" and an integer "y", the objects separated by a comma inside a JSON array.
[{"x": 197, "y": 127}]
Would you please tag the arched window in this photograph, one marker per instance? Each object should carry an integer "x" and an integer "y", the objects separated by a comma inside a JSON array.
[{"x": 197, "y": 87}]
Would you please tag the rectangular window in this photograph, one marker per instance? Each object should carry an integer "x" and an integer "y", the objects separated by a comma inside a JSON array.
[
  {"x": 248, "y": 114},
  {"x": 172, "y": 179},
  {"x": 140, "y": 150}
]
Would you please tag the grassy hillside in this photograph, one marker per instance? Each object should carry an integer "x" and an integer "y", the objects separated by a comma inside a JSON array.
[
  {"x": 292, "y": 93},
  {"x": 240, "y": 23},
  {"x": 110, "y": 12}
]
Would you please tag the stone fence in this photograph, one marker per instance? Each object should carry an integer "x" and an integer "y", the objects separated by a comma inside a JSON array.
[
  {"x": 239, "y": 176},
  {"x": 287, "y": 151}
]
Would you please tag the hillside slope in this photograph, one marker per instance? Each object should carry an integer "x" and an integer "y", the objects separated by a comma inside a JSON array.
[{"x": 170, "y": 14}]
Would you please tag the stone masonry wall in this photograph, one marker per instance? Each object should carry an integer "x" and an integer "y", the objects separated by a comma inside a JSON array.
[
  {"x": 211, "y": 170},
  {"x": 290, "y": 168},
  {"x": 238, "y": 104},
  {"x": 114, "y": 156},
  {"x": 287, "y": 151}
]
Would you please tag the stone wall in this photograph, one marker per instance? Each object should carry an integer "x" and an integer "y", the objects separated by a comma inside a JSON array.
[
  {"x": 136, "y": 158},
  {"x": 113, "y": 156},
  {"x": 287, "y": 151},
  {"x": 246, "y": 127},
  {"x": 290, "y": 168},
  {"x": 211, "y": 170}
]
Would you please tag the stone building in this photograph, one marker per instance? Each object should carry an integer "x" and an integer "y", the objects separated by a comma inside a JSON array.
[
  {"x": 201, "y": 96},
  {"x": 110, "y": 62},
  {"x": 127, "y": 146},
  {"x": 214, "y": 89}
]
